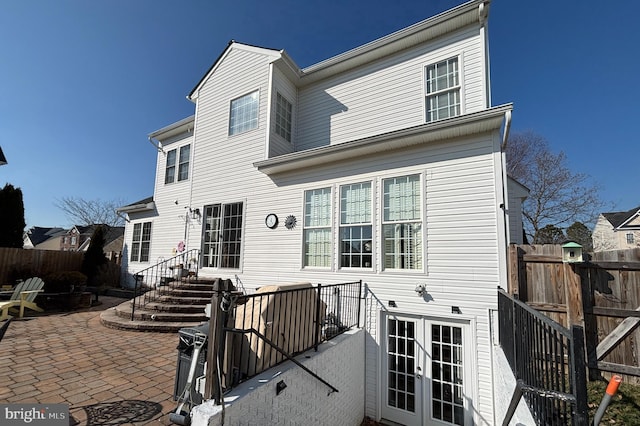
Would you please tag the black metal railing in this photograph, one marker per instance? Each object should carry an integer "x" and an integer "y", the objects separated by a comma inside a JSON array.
[
  {"x": 547, "y": 361},
  {"x": 152, "y": 282},
  {"x": 264, "y": 329}
]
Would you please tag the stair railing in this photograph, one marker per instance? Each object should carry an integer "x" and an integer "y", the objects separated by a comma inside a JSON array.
[{"x": 164, "y": 276}]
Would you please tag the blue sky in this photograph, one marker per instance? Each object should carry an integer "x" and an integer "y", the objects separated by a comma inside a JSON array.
[{"x": 83, "y": 83}]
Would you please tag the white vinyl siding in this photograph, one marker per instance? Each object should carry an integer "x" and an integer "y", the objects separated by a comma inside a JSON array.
[
  {"x": 141, "y": 242},
  {"x": 387, "y": 95},
  {"x": 243, "y": 115},
  {"x": 402, "y": 223},
  {"x": 317, "y": 228}
]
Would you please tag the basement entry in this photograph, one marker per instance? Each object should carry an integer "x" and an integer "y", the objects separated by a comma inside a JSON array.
[{"x": 426, "y": 371}]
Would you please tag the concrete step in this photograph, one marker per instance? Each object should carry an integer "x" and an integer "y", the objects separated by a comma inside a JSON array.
[
  {"x": 109, "y": 318},
  {"x": 124, "y": 311}
]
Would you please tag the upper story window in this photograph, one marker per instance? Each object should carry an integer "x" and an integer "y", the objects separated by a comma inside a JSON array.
[
  {"x": 317, "y": 227},
  {"x": 630, "y": 238},
  {"x": 183, "y": 164},
  {"x": 355, "y": 226},
  {"x": 442, "y": 89},
  {"x": 222, "y": 236},
  {"x": 141, "y": 242},
  {"x": 283, "y": 117},
  {"x": 244, "y": 114},
  {"x": 402, "y": 223}
]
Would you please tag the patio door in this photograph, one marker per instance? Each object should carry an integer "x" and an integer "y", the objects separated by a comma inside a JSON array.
[{"x": 425, "y": 371}]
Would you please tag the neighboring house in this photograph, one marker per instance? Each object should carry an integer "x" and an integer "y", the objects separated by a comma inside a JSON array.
[
  {"x": 43, "y": 238},
  {"x": 382, "y": 164},
  {"x": 617, "y": 230}
]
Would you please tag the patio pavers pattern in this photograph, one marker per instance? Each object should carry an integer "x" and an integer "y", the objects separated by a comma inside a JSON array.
[{"x": 106, "y": 376}]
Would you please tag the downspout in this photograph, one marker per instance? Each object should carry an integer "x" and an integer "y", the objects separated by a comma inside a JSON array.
[
  {"x": 505, "y": 200},
  {"x": 156, "y": 145}
]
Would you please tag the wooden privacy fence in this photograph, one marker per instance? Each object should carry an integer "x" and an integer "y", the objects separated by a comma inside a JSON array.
[
  {"x": 602, "y": 294},
  {"x": 36, "y": 262}
]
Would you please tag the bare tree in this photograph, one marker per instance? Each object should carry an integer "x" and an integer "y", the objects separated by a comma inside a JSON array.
[
  {"x": 87, "y": 212},
  {"x": 558, "y": 196}
]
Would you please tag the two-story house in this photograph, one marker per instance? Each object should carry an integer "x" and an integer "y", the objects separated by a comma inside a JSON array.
[
  {"x": 383, "y": 164},
  {"x": 617, "y": 230}
]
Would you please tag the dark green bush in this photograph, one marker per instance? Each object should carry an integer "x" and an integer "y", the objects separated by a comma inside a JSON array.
[{"x": 65, "y": 282}]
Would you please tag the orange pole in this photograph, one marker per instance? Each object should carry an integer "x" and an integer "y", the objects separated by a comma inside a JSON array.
[{"x": 612, "y": 388}]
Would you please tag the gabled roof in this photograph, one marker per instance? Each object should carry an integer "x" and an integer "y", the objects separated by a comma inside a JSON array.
[
  {"x": 138, "y": 206},
  {"x": 474, "y": 11},
  {"x": 38, "y": 234},
  {"x": 275, "y": 53},
  {"x": 620, "y": 219}
]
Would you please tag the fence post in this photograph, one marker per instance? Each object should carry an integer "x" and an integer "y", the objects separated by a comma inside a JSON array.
[
  {"x": 359, "y": 300},
  {"x": 513, "y": 286},
  {"x": 573, "y": 294},
  {"x": 580, "y": 414},
  {"x": 212, "y": 390},
  {"x": 316, "y": 338}
]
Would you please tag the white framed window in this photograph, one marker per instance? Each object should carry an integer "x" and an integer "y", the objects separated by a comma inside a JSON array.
[
  {"x": 73, "y": 240},
  {"x": 222, "y": 235},
  {"x": 317, "y": 228},
  {"x": 244, "y": 113},
  {"x": 183, "y": 165},
  {"x": 442, "y": 89},
  {"x": 283, "y": 117},
  {"x": 355, "y": 226},
  {"x": 141, "y": 242},
  {"x": 170, "y": 168},
  {"x": 402, "y": 223},
  {"x": 630, "y": 238}
]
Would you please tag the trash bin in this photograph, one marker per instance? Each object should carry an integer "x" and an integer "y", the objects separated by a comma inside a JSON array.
[{"x": 185, "y": 352}]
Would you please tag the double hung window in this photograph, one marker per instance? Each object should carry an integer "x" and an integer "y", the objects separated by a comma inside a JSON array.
[
  {"x": 442, "y": 88},
  {"x": 244, "y": 114},
  {"x": 317, "y": 227},
  {"x": 222, "y": 236},
  {"x": 170, "y": 170},
  {"x": 355, "y": 226},
  {"x": 183, "y": 164},
  {"x": 141, "y": 242},
  {"x": 283, "y": 117},
  {"x": 402, "y": 223}
]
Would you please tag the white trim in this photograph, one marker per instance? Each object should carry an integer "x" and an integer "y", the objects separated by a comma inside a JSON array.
[{"x": 271, "y": 91}]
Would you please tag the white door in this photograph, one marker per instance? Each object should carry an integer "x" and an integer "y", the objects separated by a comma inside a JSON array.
[{"x": 425, "y": 371}]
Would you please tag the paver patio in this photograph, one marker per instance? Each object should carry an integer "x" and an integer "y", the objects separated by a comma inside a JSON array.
[{"x": 108, "y": 377}]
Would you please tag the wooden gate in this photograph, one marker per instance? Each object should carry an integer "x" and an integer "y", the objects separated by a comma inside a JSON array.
[{"x": 602, "y": 294}]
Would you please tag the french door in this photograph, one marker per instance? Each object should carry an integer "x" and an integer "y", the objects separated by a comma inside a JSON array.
[{"x": 425, "y": 371}]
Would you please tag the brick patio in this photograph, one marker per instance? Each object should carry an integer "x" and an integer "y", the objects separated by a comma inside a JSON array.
[{"x": 108, "y": 377}]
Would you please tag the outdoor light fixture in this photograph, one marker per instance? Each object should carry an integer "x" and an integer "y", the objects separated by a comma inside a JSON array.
[
  {"x": 455, "y": 310},
  {"x": 3, "y": 159},
  {"x": 195, "y": 213},
  {"x": 421, "y": 289},
  {"x": 280, "y": 386}
]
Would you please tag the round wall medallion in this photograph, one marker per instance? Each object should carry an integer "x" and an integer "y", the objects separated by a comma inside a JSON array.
[
  {"x": 290, "y": 222},
  {"x": 271, "y": 220}
]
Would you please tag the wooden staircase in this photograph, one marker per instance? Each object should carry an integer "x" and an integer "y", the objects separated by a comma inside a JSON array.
[{"x": 182, "y": 304}]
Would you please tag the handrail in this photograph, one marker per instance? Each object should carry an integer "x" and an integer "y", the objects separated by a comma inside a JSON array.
[{"x": 163, "y": 274}]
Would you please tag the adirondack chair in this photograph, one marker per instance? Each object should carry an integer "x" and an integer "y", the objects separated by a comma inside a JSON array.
[{"x": 23, "y": 297}]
